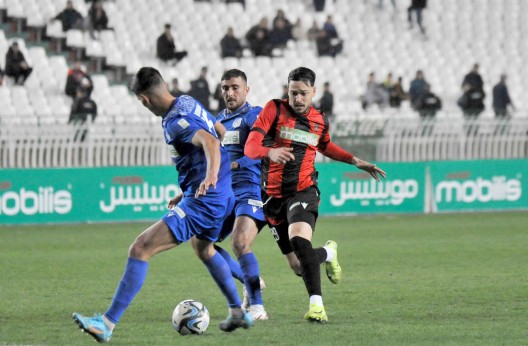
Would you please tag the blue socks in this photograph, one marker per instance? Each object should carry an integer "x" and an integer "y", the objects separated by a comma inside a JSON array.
[
  {"x": 133, "y": 279},
  {"x": 250, "y": 268},
  {"x": 233, "y": 265},
  {"x": 221, "y": 273}
]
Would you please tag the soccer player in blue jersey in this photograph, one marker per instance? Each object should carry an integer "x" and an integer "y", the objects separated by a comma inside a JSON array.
[
  {"x": 247, "y": 218},
  {"x": 203, "y": 167}
]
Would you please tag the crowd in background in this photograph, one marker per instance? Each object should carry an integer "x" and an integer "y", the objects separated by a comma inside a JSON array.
[{"x": 263, "y": 39}]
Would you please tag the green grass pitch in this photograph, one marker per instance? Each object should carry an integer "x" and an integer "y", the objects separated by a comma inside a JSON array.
[{"x": 453, "y": 279}]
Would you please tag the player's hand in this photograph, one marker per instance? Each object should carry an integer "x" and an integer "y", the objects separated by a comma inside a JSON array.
[
  {"x": 173, "y": 202},
  {"x": 371, "y": 168},
  {"x": 281, "y": 155},
  {"x": 205, "y": 185}
]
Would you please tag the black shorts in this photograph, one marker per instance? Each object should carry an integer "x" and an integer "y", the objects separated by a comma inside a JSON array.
[{"x": 282, "y": 212}]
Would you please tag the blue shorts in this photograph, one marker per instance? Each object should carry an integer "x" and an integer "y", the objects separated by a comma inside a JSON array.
[
  {"x": 201, "y": 217},
  {"x": 247, "y": 203}
]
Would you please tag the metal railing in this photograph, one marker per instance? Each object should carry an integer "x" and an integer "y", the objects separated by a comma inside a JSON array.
[{"x": 389, "y": 140}]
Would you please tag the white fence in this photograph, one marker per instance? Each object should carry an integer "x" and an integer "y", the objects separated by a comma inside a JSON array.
[
  {"x": 453, "y": 139},
  {"x": 391, "y": 140},
  {"x": 93, "y": 145}
]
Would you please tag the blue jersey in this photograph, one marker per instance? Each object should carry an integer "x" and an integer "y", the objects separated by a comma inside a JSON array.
[
  {"x": 238, "y": 126},
  {"x": 180, "y": 123}
]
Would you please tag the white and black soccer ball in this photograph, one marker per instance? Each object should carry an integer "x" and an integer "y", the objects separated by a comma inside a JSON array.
[{"x": 190, "y": 317}]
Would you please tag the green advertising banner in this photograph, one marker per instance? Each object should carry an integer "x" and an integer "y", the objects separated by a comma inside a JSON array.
[
  {"x": 479, "y": 185},
  {"x": 348, "y": 190},
  {"x": 31, "y": 196},
  {"x": 118, "y": 194}
]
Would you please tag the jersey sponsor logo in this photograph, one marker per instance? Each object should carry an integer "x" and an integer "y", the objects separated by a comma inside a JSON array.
[
  {"x": 41, "y": 200},
  {"x": 231, "y": 137},
  {"x": 237, "y": 123},
  {"x": 498, "y": 188},
  {"x": 255, "y": 203},
  {"x": 299, "y": 136}
]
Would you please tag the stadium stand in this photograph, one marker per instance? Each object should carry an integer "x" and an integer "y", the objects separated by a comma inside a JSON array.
[{"x": 459, "y": 33}]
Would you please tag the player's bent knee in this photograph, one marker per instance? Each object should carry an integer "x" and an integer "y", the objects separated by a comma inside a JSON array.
[
  {"x": 139, "y": 248},
  {"x": 241, "y": 248}
]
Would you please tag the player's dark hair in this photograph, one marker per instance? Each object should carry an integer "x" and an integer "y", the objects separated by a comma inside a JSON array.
[
  {"x": 145, "y": 80},
  {"x": 234, "y": 73},
  {"x": 302, "y": 74}
]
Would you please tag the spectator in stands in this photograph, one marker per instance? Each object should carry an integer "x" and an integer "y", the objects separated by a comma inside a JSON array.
[
  {"x": 323, "y": 44},
  {"x": 219, "y": 97},
  {"x": 70, "y": 17},
  {"x": 200, "y": 89},
  {"x": 473, "y": 79},
  {"x": 326, "y": 103},
  {"x": 298, "y": 33},
  {"x": 16, "y": 65},
  {"x": 328, "y": 42},
  {"x": 319, "y": 5},
  {"x": 98, "y": 20},
  {"x": 388, "y": 83},
  {"x": 280, "y": 16},
  {"x": 280, "y": 34},
  {"x": 82, "y": 108},
  {"x": 428, "y": 104},
  {"x": 230, "y": 45},
  {"x": 330, "y": 27},
  {"x": 418, "y": 88},
  {"x": 374, "y": 93},
  {"x": 417, "y": 6},
  {"x": 175, "y": 89},
  {"x": 166, "y": 48},
  {"x": 313, "y": 32},
  {"x": 397, "y": 94},
  {"x": 78, "y": 77},
  {"x": 472, "y": 101},
  {"x": 501, "y": 98},
  {"x": 258, "y": 38}
]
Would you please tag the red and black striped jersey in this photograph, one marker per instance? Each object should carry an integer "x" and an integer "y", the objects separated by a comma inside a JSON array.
[{"x": 278, "y": 126}]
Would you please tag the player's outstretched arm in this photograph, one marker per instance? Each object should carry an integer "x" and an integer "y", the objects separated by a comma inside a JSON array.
[
  {"x": 371, "y": 168},
  {"x": 335, "y": 152},
  {"x": 211, "y": 148}
]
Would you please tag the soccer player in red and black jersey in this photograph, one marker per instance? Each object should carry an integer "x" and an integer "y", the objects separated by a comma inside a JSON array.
[{"x": 287, "y": 135}]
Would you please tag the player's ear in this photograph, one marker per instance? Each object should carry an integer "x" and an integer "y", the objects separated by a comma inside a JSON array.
[
  {"x": 247, "y": 89},
  {"x": 143, "y": 98}
]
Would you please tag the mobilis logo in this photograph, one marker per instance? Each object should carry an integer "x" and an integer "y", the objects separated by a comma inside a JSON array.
[
  {"x": 498, "y": 188},
  {"x": 43, "y": 200}
]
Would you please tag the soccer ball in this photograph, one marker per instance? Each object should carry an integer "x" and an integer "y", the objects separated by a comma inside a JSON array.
[{"x": 190, "y": 317}]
